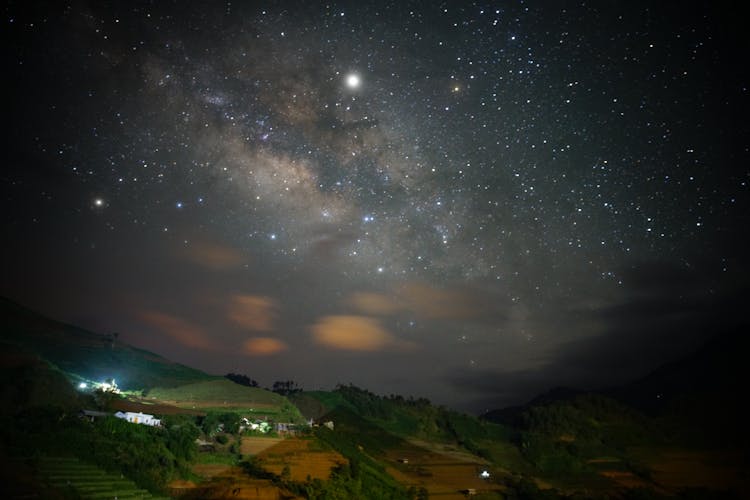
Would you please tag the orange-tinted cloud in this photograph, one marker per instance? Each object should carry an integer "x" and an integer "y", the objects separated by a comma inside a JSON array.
[
  {"x": 254, "y": 312},
  {"x": 214, "y": 256},
  {"x": 263, "y": 346},
  {"x": 376, "y": 304},
  {"x": 436, "y": 303},
  {"x": 180, "y": 330},
  {"x": 354, "y": 333},
  {"x": 423, "y": 300}
]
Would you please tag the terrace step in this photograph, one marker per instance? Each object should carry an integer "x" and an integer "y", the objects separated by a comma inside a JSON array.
[{"x": 89, "y": 481}]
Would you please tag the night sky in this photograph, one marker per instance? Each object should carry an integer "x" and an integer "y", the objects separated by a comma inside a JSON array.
[{"x": 469, "y": 202}]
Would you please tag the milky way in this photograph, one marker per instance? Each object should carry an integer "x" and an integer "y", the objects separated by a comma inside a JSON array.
[{"x": 470, "y": 202}]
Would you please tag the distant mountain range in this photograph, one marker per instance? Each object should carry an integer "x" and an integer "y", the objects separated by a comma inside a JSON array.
[{"x": 705, "y": 388}]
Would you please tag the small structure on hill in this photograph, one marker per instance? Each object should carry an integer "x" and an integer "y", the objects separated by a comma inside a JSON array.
[
  {"x": 139, "y": 418},
  {"x": 205, "y": 445},
  {"x": 91, "y": 415},
  {"x": 285, "y": 428}
]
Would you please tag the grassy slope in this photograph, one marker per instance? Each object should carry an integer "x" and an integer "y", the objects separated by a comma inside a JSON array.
[
  {"x": 222, "y": 394},
  {"x": 88, "y": 355},
  {"x": 380, "y": 423}
]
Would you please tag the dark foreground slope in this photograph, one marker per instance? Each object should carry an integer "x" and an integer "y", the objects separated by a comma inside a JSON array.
[{"x": 89, "y": 355}]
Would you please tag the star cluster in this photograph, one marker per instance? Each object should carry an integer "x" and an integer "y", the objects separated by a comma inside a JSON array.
[{"x": 396, "y": 194}]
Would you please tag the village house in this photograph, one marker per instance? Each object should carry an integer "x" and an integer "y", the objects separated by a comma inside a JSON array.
[{"x": 139, "y": 418}]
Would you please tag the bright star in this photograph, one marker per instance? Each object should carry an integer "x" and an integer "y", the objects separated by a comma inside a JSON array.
[
  {"x": 353, "y": 81},
  {"x": 98, "y": 202}
]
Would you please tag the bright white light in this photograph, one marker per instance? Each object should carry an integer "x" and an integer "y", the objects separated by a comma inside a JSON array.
[
  {"x": 485, "y": 474},
  {"x": 82, "y": 385},
  {"x": 98, "y": 202},
  {"x": 353, "y": 81}
]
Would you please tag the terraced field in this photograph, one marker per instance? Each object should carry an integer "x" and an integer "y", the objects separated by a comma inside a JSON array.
[
  {"x": 446, "y": 474},
  {"x": 76, "y": 478},
  {"x": 226, "y": 481},
  {"x": 303, "y": 457},
  {"x": 254, "y": 445}
]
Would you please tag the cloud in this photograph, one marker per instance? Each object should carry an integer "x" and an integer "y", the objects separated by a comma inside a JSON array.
[
  {"x": 664, "y": 312},
  {"x": 254, "y": 312},
  {"x": 436, "y": 303},
  {"x": 264, "y": 346},
  {"x": 180, "y": 330},
  {"x": 214, "y": 256},
  {"x": 427, "y": 302},
  {"x": 373, "y": 303},
  {"x": 355, "y": 333}
]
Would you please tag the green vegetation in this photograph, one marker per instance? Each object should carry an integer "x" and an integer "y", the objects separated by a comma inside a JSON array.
[
  {"x": 408, "y": 417},
  {"x": 560, "y": 438}
]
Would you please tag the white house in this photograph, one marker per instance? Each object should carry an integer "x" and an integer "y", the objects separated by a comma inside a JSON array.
[{"x": 139, "y": 418}]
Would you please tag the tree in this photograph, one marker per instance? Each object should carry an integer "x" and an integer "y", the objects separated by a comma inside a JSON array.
[
  {"x": 241, "y": 379},
  {"x": 286, "y": 387}
]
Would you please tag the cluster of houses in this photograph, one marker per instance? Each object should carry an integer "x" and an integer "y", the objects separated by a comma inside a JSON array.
[
  {"x": 257, "y": 425},
  {"x": 262, "y": 426},
  {"x": 265, "y": 427}
]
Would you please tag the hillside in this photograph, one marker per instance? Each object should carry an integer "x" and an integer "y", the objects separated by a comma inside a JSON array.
[
  {"x": 26, "y": 381},
  {"x": 225, "y": 395},
  {"x": 563, "y": 444},
  {"x": 90, "y": 356},
  {"x": 711, "y": 371}
]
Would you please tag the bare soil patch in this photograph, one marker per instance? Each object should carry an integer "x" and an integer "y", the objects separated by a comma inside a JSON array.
[
  {"x": 302, "y": 458},
  {"x": 225, "y": 481},
  {"x": 152, "y": 409},
  {"x": 255, "y": 445},
  {"x": 675, "y": 469}
]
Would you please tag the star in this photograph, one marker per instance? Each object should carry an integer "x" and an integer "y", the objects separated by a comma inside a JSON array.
[{"x": 353, "y": 81}]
